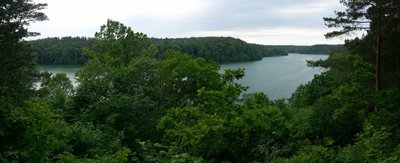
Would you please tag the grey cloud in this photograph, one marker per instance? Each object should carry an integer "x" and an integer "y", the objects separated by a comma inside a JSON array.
[
  {"x": 259, "y": 13},
  {"x": 232, "y": 15}
]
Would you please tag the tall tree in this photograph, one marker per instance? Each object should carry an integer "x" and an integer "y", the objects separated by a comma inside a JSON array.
[
  {"x": 17, "y": 66},
  {"x": 373, "y": 16},
  {"x": 117, "y": 40},
  {"x": 27, "y": 130}
]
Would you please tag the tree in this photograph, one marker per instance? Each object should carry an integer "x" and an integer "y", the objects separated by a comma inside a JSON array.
[
  {"x": 218, "y": 49},
  {"x": 119, "y": 85},
  {"x": 65, "y": 50},
  {"x": 56, "y": 91},
  {"x": 116, "y": 39},
  {"x": 30, "y": 132},
  {"x": 182, "y": 76},
  {"x": 17, "y": 62},
  {"x": 223, "y": 127},
  {"x": 17, "y": 69},
  {"x": 374, "y": 16}
]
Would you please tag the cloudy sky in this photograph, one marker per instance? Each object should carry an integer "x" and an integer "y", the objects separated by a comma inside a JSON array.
[{"x": 272, "y": 22}]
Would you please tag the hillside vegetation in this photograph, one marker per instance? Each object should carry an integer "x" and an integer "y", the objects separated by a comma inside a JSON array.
[
  {"x": 69, "y": 50},
  {"x": 133, "y": 106},
  {"x": 313, "y": 49},
  {"x": 219, "y": 49}
]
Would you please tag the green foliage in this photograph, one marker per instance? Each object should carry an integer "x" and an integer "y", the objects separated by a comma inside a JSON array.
[
  {"x": 372, "y": 15},
  {"x": 134, "y": 117},
  {"x": 183, "y": 76},
  {"x": 94, "y": 83},
  {"x": 357, "y": 92},
  {"x": 155, "y": 152},
  {"x": 17, "y": 14},
  {"x": 311, "y": 154},
  {"x": 68, "y": 50},
  {"x": 120, "y": 156},
  {"x": 31, "y": 132},
  {"x": 117, "y": 40},
  {"x": 221, "y": 128},
  {"x": 390, "y": 66},
  {"x": 345, "y": 100},
  {"x": 57, "y": 91},
  {"x": 313, "y": 49},
  {"x": 65, "y": 50},
  {"x": 35, "y": 133},
  {"x": 372, "y": 145},
  {"x": 218, "y": 49},
  {"x": 337, "y": 101},
  {"x": 388, "y": 112},
  {"x": 32, "y": 128},
  {"x": 86, "y": 141},
  {"x": 309, "y": 93},
  {"x": 126, "y": 97},
  {"x": 381, "y": 22},
  {"x": 118, "y": 90},
  {"x": 340, "y": 65},
  {"x": 17, "y": 62}
]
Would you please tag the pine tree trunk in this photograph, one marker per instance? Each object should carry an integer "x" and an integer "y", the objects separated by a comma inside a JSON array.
[
  {"x": 378, "y": 63},
  {"x": 378, "y": 50}
]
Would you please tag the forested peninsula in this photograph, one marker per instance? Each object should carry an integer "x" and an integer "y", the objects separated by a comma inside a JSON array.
[
  {"x": 131, "y": 105},
  {"x": 219, "y": 49},
  {"x": 69, "y": 50}
]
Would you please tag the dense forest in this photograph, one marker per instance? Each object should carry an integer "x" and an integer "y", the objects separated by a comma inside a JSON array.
[
  {"x": 133, "y": 106},
  {"x": 314, "y": 49},
  {"x": 219, "y": 49},
  {"x": 65, "y": 50},
  {"x": 69, "y": 50}
]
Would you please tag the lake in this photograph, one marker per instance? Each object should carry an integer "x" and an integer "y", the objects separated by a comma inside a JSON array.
[
  {"x": 69, "y": 70},
  {"x": 278, "y": 77}
]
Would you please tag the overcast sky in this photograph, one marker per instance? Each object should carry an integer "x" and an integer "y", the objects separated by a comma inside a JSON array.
[{"x": 272, "y": 22}]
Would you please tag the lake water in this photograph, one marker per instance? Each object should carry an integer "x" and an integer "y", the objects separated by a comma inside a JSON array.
[
  {"x": 278, "y": 77},
  {"x": 69, "y": 70}
]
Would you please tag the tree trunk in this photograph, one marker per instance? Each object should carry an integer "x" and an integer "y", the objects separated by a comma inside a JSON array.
[
  {"x": 378, "y": 63},
  {"x": 377, "y": 66},
  {"x": 378, "y": 50}
]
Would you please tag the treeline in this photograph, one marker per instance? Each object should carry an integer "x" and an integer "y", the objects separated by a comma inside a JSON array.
[
  {"x": 69, "y": 50},
  {"x": 219, "y": 49},
  {"x": 313, "y": 49},
  {"x": 65, "y": 50}
]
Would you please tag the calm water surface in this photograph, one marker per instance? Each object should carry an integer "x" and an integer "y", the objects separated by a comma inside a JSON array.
[
  {"x": 278, "y": 77},
  {"x": 69, "y": 70}
]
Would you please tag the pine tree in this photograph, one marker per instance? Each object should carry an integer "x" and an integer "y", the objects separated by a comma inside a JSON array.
[
  {"x": 17, "y": 65},
  {"x": 377, "y": 17}
]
